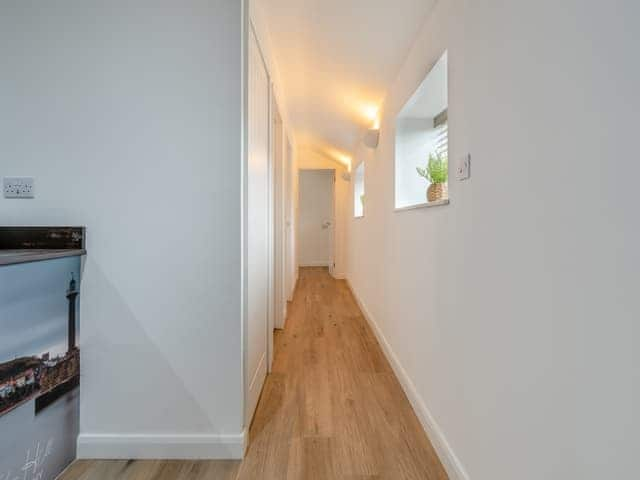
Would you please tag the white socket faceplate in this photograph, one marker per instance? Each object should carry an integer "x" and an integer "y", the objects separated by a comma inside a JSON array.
[{"x": 18, "y": 187}]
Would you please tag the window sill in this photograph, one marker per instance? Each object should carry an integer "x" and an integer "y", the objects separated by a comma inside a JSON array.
[
  {"x": 358, "y": 217},
  {"x": 438, "y": 203}
]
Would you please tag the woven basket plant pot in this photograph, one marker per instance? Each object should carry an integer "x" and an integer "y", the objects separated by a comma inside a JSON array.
[{"x": 437, "y": 191}]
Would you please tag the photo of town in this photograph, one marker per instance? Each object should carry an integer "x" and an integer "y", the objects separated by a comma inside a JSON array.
[
  {"x": 25, "y": 378},
  {"x": 46, "y": 376}
]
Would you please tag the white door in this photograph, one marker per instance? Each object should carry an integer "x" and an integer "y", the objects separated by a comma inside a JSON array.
[
  {"x": 316, "y": 218},
  {"x": 258, "y": 254},
  {"x": 279, "y": 219},
  {"x": 290, "y": 232}
]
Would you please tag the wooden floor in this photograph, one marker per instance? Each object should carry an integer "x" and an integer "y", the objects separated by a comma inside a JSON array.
[
  {"x": 152, "y": 470},
  {"x": 331, "y": 408}
]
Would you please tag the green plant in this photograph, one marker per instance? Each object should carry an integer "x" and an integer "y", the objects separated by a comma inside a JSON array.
[{"x": 437, "y": 169}]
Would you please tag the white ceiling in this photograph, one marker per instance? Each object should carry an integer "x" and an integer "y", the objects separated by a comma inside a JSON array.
[{"x": 336, "y": 58}]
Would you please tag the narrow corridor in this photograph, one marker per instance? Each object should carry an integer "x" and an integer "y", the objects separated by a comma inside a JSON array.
[{"x": 331, "y": 409}]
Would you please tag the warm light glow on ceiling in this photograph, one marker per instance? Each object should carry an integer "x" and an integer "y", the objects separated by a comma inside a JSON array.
[
  {"x": 371, "y": 113},
  {"x": 339, "y": 156}
]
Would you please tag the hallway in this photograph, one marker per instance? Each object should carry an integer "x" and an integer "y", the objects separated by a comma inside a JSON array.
[{"x": 331, "y": 409}]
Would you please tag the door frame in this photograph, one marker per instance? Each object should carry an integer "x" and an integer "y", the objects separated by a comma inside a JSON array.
[
  {"x": 272, "y": 303},
  {"x": 332, "y": 243},
  {"x": 334, "y": 230},
  {"x": 290, "y": 224},
  {"x": 280, "y": 227},
  {"x": 251, "y": 32}
]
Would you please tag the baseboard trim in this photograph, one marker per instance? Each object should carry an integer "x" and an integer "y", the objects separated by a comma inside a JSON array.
[
  {"x": 165, "y": 447},
  {"x": 315, "y": 264},
  {"x": 284, "y": 316},
  {"x": 295, "y": 287},
  {"x": 449, "y": 460},
  {"x": 253, "y": 393}
]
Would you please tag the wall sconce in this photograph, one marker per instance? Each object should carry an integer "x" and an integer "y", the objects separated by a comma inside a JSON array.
[{"x": 372, "y": 138}]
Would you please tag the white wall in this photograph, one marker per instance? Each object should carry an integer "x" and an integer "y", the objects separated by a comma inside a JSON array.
[
  {"x": 307, "y": 159},
  {"x": 512, "y": 312},
  {"x": 128, "y": 114},
  {"x": 359, "y": 198}
]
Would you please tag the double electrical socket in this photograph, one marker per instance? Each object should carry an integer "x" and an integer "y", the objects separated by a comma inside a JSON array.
[{"x": 18, "y": 187}]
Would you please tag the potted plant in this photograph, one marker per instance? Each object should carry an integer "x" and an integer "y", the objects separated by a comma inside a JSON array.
[{"x": 437, "y": 173}]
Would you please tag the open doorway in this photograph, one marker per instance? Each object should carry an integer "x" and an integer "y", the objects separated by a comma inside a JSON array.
[{"x": 317, "y": 219}]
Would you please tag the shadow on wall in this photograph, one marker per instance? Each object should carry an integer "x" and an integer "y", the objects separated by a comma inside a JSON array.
[{"x": 124, "y": 371}]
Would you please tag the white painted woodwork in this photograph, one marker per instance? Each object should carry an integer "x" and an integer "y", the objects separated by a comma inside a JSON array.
[
  {"x": 290, "y": 224},
  {"x": 279, "y": 165},
  {"x": 258, "y": 228},
  {"x": 316, "y": 217}
]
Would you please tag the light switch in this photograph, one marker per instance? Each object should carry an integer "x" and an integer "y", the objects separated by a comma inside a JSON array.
[
  {"x": 464, "y": 168},
  {"x": 18, "y": 187}
]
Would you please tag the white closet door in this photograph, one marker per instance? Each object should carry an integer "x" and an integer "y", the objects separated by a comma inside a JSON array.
[
  {"x": 279, "y": 220},
  {"x": 258, "y": 227},
  {"x": 290, "y": 240}
]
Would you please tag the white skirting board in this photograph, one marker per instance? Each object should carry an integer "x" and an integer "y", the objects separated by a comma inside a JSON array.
[
  {"x": 169, "y": 447},
  {"x": 319, "y": 263},
  {"x": 293, "y": 289},
  {"x": 449, "y": 460}
]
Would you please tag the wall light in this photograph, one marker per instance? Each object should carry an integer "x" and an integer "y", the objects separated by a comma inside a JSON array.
[
  {"x": 371, "y": 113},
  {"x": 372, "y": 138}
]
